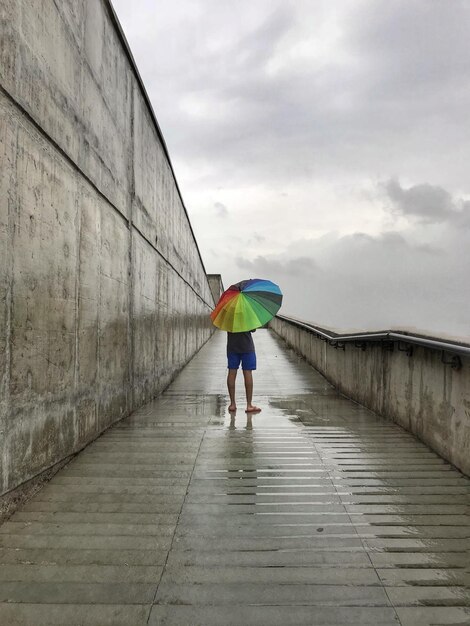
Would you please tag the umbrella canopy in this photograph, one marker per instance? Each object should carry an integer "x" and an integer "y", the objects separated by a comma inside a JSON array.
[{"x": 247, "y": 305}]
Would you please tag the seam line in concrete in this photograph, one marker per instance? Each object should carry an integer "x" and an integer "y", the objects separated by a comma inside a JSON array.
[
  {"x": 177, "y": 522},
  {"x": 353, "y": 523}
]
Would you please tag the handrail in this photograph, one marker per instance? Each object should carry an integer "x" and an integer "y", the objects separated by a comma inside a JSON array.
[{"x": 452, "y": 348}]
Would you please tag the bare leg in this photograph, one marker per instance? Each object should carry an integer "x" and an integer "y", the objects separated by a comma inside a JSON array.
[
  {"x": 232, "y": 375},
  {"x": 248, "y": 376}
]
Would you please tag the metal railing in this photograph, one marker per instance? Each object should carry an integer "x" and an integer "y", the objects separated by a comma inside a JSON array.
[{"x": 451, "y": 351}]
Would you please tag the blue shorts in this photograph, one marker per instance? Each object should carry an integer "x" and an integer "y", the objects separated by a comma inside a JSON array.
[{"x": 247, "y": 359}]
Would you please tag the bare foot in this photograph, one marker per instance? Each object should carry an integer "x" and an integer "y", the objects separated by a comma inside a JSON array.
[
  {"x": 232, "y": 408},
  {"x": 252, "y": 409}
]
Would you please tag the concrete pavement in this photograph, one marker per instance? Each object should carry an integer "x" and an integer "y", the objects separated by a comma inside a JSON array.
[{"x": 313, "y": 512}]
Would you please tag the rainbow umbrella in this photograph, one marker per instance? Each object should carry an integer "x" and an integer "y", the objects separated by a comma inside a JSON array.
[{"x": 247, "y": 305}]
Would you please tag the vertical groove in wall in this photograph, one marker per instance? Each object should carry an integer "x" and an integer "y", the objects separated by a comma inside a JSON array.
[
  {"x": 5, "y": 401},
  {"x": 78, "y": 227},
  {"x": 98, "y": 323},
  {"x": 385, "y": 386},
  {"x": 408, "y": 396},
  {"x": 131, "y": 252}
]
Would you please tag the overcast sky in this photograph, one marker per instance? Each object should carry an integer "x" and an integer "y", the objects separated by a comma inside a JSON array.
[{"x": 324, "y": 145}]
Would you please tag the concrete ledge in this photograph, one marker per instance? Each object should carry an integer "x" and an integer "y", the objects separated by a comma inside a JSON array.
[{"x": 419, "y": 392}]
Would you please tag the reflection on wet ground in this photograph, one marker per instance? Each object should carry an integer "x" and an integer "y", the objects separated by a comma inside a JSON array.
[{"x": 315, "y": 511}]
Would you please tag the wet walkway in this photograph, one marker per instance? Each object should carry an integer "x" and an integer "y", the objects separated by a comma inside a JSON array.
[{"x": 313, "y": 512}]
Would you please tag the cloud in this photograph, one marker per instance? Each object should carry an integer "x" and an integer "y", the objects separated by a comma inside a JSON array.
[
  {"x": 364, "y": 282},
  {"x": 428, "y": 203},
  {"x": 293, "y": 113},
  {"x": 290, "y": 90},
  {"x": 221, "y": 209},
  {"x": 268, "y": 266},
  {"x": 463, "y": 217},
  {"x": 411, "y": 42}
]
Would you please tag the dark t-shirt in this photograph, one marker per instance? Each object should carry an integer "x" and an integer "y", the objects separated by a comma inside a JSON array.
[{"x": 240, "y": 343}]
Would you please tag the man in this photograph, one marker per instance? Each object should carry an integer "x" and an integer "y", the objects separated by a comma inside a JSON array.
[{"x": 241, "y": 349}]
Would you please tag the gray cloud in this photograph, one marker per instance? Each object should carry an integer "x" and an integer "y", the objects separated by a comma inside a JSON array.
[
  {"x": 264, "y": 266},
  {"x": 429, "y": 203},
  {"x": 409, "y": 39},
  {"x": 221, "y": 209},
  {"x": 376, "y": 99},
  {"x": 291, "y": 112},
  {"x": 463, "y": 217},
  {"x": 365, "y": 282}
]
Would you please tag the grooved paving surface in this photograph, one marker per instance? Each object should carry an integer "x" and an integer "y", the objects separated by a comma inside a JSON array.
[{"x": 315, "y": 511}]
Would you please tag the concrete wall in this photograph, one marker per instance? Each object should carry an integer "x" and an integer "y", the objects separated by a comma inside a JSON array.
[
  {"x": 419, "y": 392},
  {"x": 103, "y": 294},
  {"x": 216, "y": 286}
]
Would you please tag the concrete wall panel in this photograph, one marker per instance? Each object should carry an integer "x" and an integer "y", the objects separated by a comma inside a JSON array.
[
  {"x": 149, "y": 164},
  {"x": 8, "y": 149},
  {"x": 10, "y": 19},
  {"x": 43, "y": 299},
  {"x": 158, "y": 212},
  {"x": 216, "y": 286},
  {"x": 103, "y": 294},
  {"x": 145, "y": 320},
  {"x": 39, "y": 321},
  {"x": 114, "y": 309},
  {"x": 106, "y": 153},
  {"x": 64, "y": 64},
  {"x": 420, "y": 393},
  {"x": 163, "y": 348},
  {"x": 48, "y": 73},
  {"x": 8, "y": 138},
  {"x": 89, "y": 286}
]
